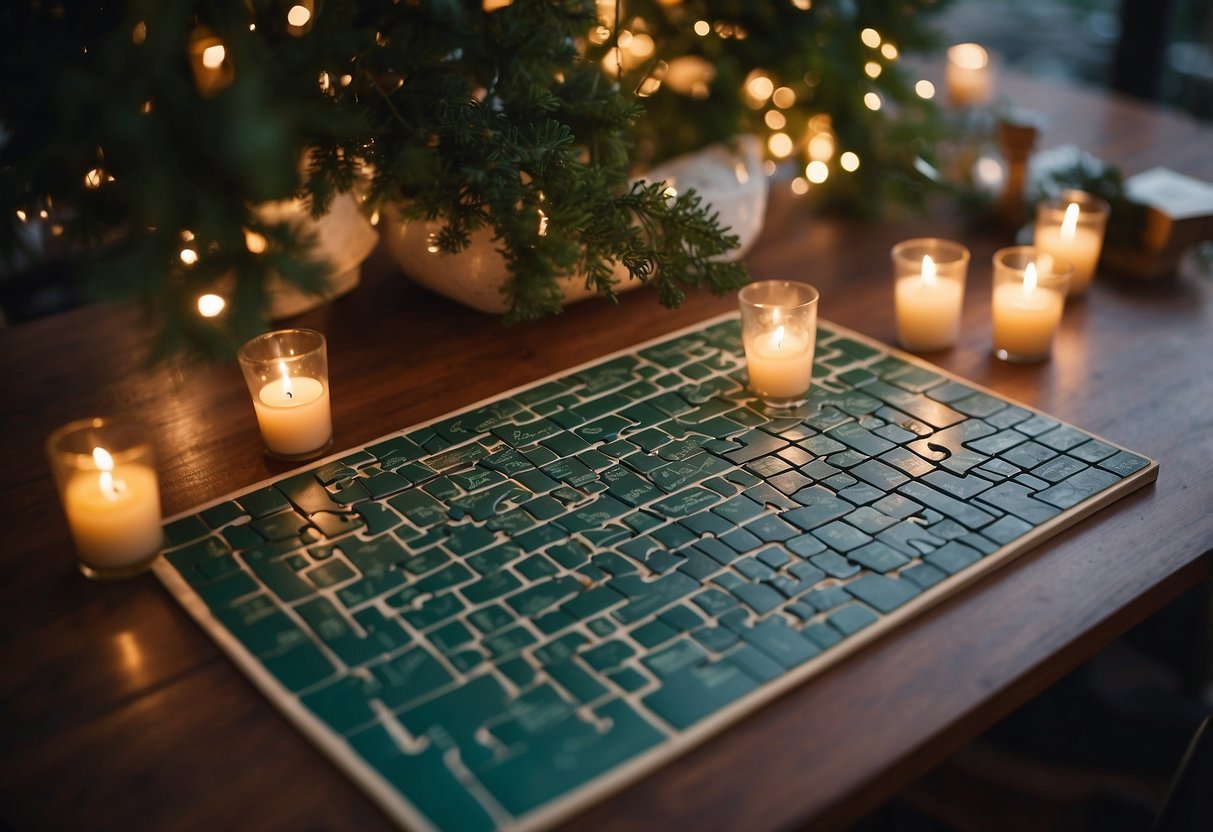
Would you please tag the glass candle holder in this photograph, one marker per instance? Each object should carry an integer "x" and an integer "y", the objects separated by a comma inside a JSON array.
[
  {"x": 928, "y": 292},
  {"x": 779, "y": 331},
  {"x": 1071, "y": 226},
  {"x": 1029, "y": 296},
  {"x": 288, "y": 378},
  {"x": 105, "y": 471},
  {"x": 969, "y": 75}
]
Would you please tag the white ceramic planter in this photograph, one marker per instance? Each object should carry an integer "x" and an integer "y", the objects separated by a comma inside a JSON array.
[
  {"x": 730, "y": 179},
  {"x": 344, "y": 239}
]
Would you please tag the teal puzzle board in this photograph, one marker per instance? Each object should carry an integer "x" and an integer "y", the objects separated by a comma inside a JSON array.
[{"x": 494, "y": 618}]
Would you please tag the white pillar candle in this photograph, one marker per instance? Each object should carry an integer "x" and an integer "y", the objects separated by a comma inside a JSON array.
[
  {"x": 1078, "y": 243},
  {"x": 969, "y": 76},
  {"x": 928, "y": 309},
  {"x": 113, "y": 513},
  {"x": 780, "y": 363},
  {"x": 1026, "y": 317},
  {"x": 294, "y": 414}
]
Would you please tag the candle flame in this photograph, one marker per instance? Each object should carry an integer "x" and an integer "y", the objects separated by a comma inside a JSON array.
[
  {"x": 1029, "y": 279},
  {"x": 778, "y": 336},
  {"x": 928, "y": 270},
  {"x": 105, "y": 464},
  {"x": 1069, "y": 225},
  {"x": 287, "y": 390}
]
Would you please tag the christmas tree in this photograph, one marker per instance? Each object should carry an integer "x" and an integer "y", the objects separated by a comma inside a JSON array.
[{"x": 140, "y": 139}]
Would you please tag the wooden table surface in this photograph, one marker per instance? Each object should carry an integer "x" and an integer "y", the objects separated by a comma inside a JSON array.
[{"x": 117, "y": 712}]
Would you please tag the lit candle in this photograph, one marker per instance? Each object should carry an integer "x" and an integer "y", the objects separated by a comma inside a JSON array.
[
  {"x": 928, "y": 292},
  {"x": 287, "y": 376},
  {"x": 293, "y": 414},
  {"x": 1026, "y": 309},
  {"x": 780, "y": 364},
  {"x": 108, "y": 487},
  {"x": 969, "y": 76},
  {"x": 779, "y": 332},
  {"x": 1078, "y": 237},
  {"x": 928, "y": 310},
  {"x": 113, "y": 512}
]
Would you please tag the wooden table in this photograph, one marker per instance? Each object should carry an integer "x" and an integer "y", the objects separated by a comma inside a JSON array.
[{"x": 116, "y": 712}]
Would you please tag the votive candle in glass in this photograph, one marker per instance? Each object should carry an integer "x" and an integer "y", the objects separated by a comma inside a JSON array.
[
  {"x": 1028, "y": 298},
  {"x": 969, "y": 75},
  {"x": 928, "y": 292},
  {"x": 105, "y": 471},
  {"x": 1071, "y": 226},
  {"x": 288, "y": 379},
  {"x": 779, "y": 331}
]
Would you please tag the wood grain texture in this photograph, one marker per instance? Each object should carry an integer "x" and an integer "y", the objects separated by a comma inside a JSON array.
[{"x": 116, "y": 712}]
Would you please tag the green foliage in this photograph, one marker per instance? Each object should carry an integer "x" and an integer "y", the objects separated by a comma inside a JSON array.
[{"x": 506, "y": 119}]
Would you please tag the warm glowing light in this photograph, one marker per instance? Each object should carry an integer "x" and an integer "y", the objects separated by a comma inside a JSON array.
[
  {"x": 870, "y": 38},
  {"x": 968, "y": 56},
  {"x": 925, "y": 89},
  {"x": 849, "y": 161},
  {"x": 743, "y": 175},
  {"x": 928, "y": 270},
  {"x": 345, "y": 80},
  {"x": 987, "y": 171},
  {"x": 187, "y": 235},
  {"x": 800, "y": 186},
  {"x": 105, "y": 464},
  {"x": 642, "y": 46},
  {"x": 689, "y": 75},
  {"x": 778, "y": 336},
  {"x": 1029, "y": 279},
  {"x": 139, "y": 33},
  {"x": 431, "y": 244},
  {"x": 889, "y": 51},
  {"x": 298, "y": 16},
  {"x": 821, "y": 146},
  {"x": 803, "y": 5},
  {"x": 21, "y": 215},
  {"x": 543, "y": 223},
  {"x": 775, "y": 119},
  {"x": 44, "y": 214},
  {"x": 210, "y": 305},
  {"x": 871, "y": 101},
  {"x": 128, "y": 647},
  {"x": 817, "y": 171},
  {"x": 288, "y": 389},
  {"x": 670, "y": 192},
  {"x": 94, "y": 178},
  {"x": 146, "y": 108},
  {"x": 760, "y": 88},
  {"x": 600, "y": 35},
  {"x": 769, "y": 167},
  {"x": 780, "y": 145},
  {"x": 494, "y": 5},
  {"x": 783, "y": 97},
  {"x": 255, "y": 242},
  {"x": 648, "y": 86},
  {"x": 212, "y": 56},
  {"x": 325, "y": 82},
  {"x": 702, "y": 27},
  {"x": 188, "y": 256},
  {"x": 1069, "y": 225},
  {"x": 872, "y": 69}
]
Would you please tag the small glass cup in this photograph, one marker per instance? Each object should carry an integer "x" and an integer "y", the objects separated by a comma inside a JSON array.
[
  {"x": 1071, "y": 226},
  {"x": 969, "y": 75},
  {"x": 1028, "y": 298},
  {"x": 779, "y": 331},
  {"x": 105, "y": 471},
  {"x": 928, "y": 292},
  {"x": 288, "y": 378}
]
